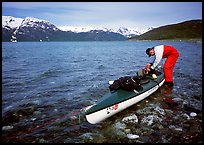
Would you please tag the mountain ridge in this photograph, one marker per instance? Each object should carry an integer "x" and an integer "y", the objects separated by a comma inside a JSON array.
[
  {"x": 33, "y": 29},
  {"x": 19, "y": 29}
]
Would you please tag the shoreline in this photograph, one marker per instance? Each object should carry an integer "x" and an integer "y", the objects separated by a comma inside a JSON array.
[{"x": 188, "y": 40}]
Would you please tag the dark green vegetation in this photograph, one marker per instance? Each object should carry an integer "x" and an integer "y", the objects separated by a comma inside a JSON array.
[{"x": 186, "y": 30}]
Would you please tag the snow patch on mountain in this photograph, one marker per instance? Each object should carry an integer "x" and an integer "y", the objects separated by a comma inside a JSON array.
[
  {"x": 75, "y": 29},
  {"x": 12, "y": 22}
]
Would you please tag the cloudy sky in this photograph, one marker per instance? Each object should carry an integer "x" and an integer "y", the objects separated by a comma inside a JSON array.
[{"x": 106, "y": 14}]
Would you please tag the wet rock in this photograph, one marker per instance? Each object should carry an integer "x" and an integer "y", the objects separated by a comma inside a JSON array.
[
  {"x": 164, "y": 140},
  {"x": 177, "y": 100},
  {"x": 73, "y": 140},
  {"x": 146, "y": 110},
  {"x": 198, "y": 97},
  {"x": 194, "y": 124},
  {"x": 119, "y": 129},
  {"x": 132, "y": 136},
  {"x": 160, "y": 110},
  {"x": 127, "y": 130},
  {"x": 145, "y": 139},
  {"x": 193, "y": 108},
  {"x": 92, "y": 138},
  {"x": 33, "y": 119},
  {"x": 193, "y": 114},
  {"x": 168, "y": 112},
  {"x": 183, "y": 116},
  {"x": 87, "y": 136},
  {"x": 37, "y": 112},
  {"x": 157, "y": 126},
  {"x": 167, "y": 120},
  {"x": 165, "y": 131},
  {"x": 42, "y": 140},
  {"x": 15, "y": 116},
  {"x": 155, "y": 136},
  {"x": 186, "y": 125},
  {"x": 191, "y": 137},
  {"x": 130, "y": 119},
  {"x": 185, "y": 102},
  {"x": 178, "y": 129},
  {"x": 150, "y": 119},
  {"x": 7, "y": 127},
  {"x": 137, "y": 131},
  {"x": 176, "y": 138},
  {"x": 119, "y": 126},
  {"x": 175, "y": 129},
  {"x": 10, "y": 118}
]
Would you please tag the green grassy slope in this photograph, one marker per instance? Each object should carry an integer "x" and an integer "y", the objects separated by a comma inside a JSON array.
[{"x": 186, "y": 30}]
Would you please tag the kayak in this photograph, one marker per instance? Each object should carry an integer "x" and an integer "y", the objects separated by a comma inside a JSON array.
[{"x": 114, "y": 102}]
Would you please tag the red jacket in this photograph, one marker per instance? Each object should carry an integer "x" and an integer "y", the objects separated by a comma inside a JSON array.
[{"x": 163, "y": 51}]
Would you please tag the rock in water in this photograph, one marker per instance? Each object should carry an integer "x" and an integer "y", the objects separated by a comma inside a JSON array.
[
  {"x": 193, "y": 114},
  {"x": 132, "y": 136}
]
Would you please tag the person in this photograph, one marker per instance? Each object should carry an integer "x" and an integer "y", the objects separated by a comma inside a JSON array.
[{"x": 163, "y": 51}]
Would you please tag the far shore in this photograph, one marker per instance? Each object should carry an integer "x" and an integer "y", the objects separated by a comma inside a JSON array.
[{"x": 191, "y": 40}]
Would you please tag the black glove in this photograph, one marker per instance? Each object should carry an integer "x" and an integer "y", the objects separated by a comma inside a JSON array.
[{"x": 152, "y": 71}]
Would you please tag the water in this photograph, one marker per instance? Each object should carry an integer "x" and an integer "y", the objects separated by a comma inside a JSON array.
[{"x": 46, "y": 84}]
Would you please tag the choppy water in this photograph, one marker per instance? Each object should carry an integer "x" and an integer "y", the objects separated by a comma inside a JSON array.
[{"x": 45, "y": 86}]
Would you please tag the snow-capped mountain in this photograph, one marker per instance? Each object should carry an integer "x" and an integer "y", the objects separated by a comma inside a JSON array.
[
  {"x": 130, "y": 32},
  {"x": 33, "y": 22},
  {"x": 33, "y": 29},
  {"x": 127, "y": 32},
  {"x": 25, "y": 27},
  {"x": 12, "y": 22}
]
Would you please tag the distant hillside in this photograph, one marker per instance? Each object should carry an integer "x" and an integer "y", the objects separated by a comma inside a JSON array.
[{"x": 186, "y": 30}]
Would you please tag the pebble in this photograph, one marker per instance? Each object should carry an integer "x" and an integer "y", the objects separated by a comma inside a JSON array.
[
  {"x": 132, "y": 136},
  {"x": 177, "y": 99},
  {"x": 127, "y": 130},
  {"x": 186, "y": 116},
  {"x": 172, "y": 127},
  {"x": 193, "y": 114},
  {"x": 7, "y": 127},
  {"x": 179, "y": 129},
  {"x": 33, "y": 119}
]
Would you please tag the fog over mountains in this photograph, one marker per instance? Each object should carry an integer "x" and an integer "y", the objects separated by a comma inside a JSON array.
[{"x": 33, "y": 29}]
